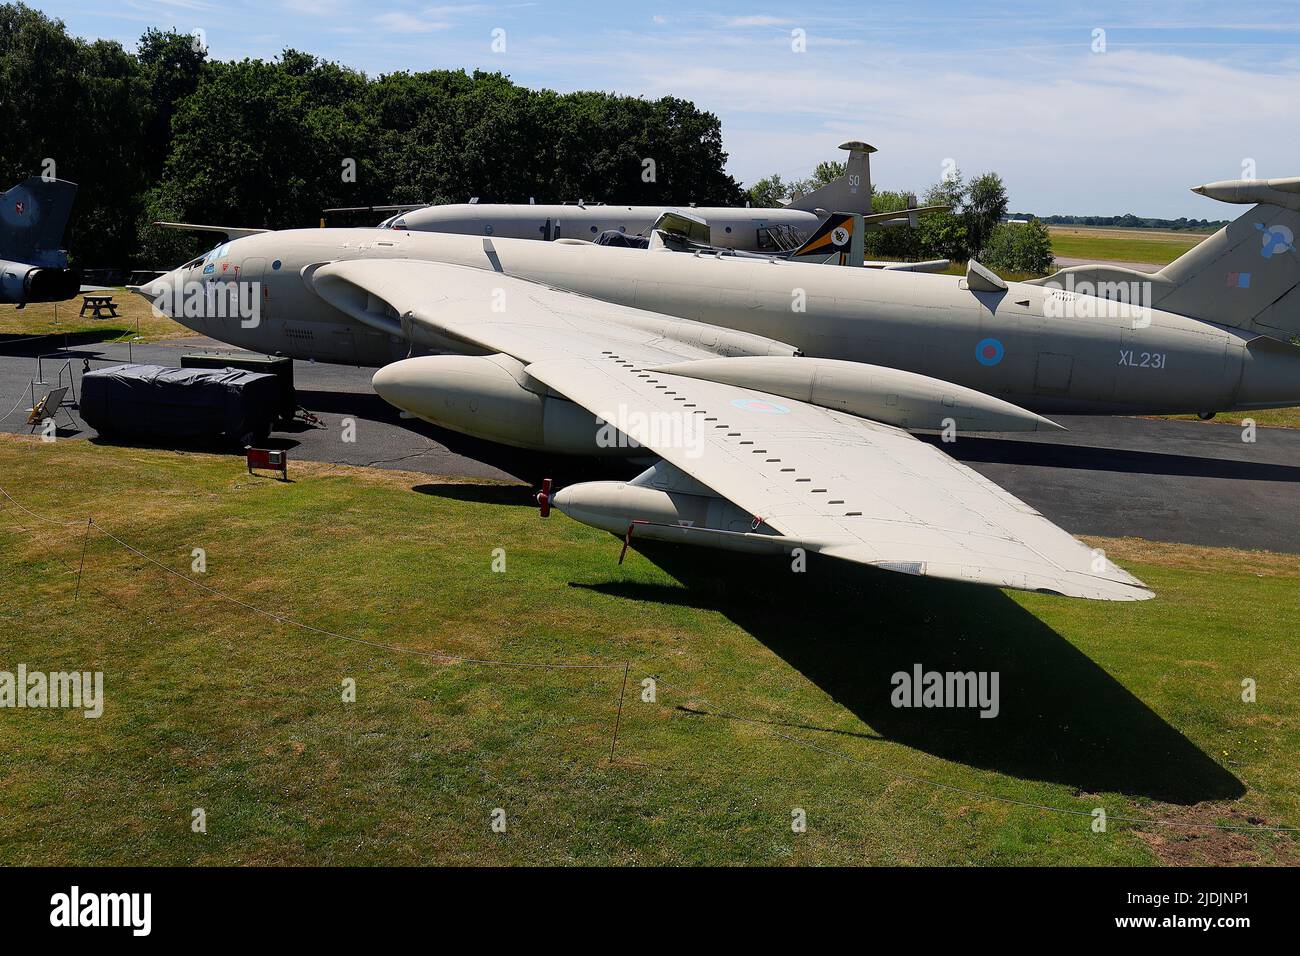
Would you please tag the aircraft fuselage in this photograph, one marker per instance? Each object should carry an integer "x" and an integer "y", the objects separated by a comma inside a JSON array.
[
  {"x": 730, "y": 227},
  {"x": 1014, "y": 344}
]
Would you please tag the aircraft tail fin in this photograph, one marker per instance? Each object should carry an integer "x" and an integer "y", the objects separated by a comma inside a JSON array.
[
  {"x": 838, "y": 241},
  {"x": 33, "y": 216},
  {"x": 1247, "y": 275},
  {"x": 851, "y": 192}
]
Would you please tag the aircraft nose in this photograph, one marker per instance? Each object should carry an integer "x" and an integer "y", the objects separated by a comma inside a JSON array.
[{"x": 160, "y": 291}]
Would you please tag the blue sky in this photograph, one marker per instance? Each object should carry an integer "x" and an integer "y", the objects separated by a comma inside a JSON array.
[{"x": 1170, "y": 96}]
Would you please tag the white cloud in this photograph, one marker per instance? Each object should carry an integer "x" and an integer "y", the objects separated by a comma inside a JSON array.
[
  {"x": 399, "y": 22},
  {"x": 758, "y": 20},
  {"x": 1111, "y": 133}
]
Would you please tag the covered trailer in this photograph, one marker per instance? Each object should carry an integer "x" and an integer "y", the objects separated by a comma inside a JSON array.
[
  {"x": 278, "y": 365},
  {"x": 153, "y": 401}
]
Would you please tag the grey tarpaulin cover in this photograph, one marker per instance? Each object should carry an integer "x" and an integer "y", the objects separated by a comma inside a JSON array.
[
  {"x": 163, "y": 402},
  {"x": 612, "y": 237}
]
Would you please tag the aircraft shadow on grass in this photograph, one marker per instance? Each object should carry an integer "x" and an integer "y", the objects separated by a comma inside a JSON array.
[{"x": 849, "y": 628}]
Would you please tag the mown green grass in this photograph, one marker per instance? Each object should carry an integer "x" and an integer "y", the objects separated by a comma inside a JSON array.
[
  {"x": 135, "y": 317},
  {"x": 1264, "y": 417},
  {"x": 1120, "y": 245},
  {"x": 773, "y": 688}
]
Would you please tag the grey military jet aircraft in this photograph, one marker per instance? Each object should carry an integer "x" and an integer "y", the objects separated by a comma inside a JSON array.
[
  {"x": 778, "y": 395},
  {"x": 33, "y": 267}
]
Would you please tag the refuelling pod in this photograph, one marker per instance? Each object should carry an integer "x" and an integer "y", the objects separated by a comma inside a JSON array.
[
  {"x": 493, "y": 398},
  {"x": 665, "y": 504},
  {"x": 888, "y": 395}
]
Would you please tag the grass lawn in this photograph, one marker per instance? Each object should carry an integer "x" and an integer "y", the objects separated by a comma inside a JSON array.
[
  {"x": 1121, "y": 245},
  {"x": 134, "y": 316},
  {"x": 1273, "y": 417},
  {"x": 773, "y": 688}
]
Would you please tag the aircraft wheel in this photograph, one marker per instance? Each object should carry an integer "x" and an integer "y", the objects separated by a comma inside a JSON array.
[{"x": 1206, "y": 416}]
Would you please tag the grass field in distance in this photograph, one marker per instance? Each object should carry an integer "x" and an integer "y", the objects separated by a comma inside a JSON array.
[{"x": 1121, "y": 245}]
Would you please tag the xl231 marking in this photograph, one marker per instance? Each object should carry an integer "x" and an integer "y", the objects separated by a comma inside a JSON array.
[{"x": 1141, "y": 359}]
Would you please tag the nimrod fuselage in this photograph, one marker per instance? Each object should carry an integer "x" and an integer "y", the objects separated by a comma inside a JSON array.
[{"x": 1044, "y": 349}]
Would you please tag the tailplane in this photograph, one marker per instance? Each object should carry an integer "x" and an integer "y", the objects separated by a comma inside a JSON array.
[
  {"x": 1247, "y": 275},
  {"x": 851, "y": 192}
]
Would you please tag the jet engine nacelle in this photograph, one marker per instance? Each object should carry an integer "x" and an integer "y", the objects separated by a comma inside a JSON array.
[
  {"x": 24, "y": 282},
  {"x": 493, "y": 398},
  {"x": 888, "y": 395}
]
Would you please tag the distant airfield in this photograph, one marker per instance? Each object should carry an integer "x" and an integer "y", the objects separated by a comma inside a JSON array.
[{"x": 1104, "y": 244}]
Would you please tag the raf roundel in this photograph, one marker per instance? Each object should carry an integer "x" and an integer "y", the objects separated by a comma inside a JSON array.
[
  {"x": 760, "y": 406},
  {"x": 989, "y": 351}
]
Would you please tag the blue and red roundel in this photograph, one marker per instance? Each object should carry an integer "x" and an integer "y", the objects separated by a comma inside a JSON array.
[{"x": 989, "y": 351}]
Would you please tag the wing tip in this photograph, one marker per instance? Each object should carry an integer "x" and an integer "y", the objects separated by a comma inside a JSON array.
[{"x": 1079, "y": 585}]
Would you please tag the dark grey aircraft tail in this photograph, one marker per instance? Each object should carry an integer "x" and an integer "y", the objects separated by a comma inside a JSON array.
[
  {"x": 851, "y": 192},
  {"x": 33, "y": 215},
  {"x": 1246, "y": 275},
  {"x": 33, "y": 264}
]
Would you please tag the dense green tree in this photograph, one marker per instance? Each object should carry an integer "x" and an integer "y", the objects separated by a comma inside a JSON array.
[
  {"x": 164, "y": 133},
  {"x": 893, "y": 242},
  {"x": 769, "y": 192},
  {"x": 39, "y": 88},
  {"x": 985, "y": 205},
  {"x": 943, "y": 234},
  {"x": 75, "y": 110},
  {"x": 1019, "y": 247},
  {"x": 267, "y": 144}
]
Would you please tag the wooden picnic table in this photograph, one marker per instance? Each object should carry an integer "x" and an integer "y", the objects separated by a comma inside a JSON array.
[{"x": 101, "y": 304}]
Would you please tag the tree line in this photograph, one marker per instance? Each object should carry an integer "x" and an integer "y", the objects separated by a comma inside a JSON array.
[
  {"x": 972, "y": 228},
  {"x": 165, "y": 132},
  {"x": 1130, "y": 221}
]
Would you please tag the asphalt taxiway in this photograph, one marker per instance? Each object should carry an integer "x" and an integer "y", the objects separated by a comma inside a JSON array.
[{"x": 1181, "y": 481}]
